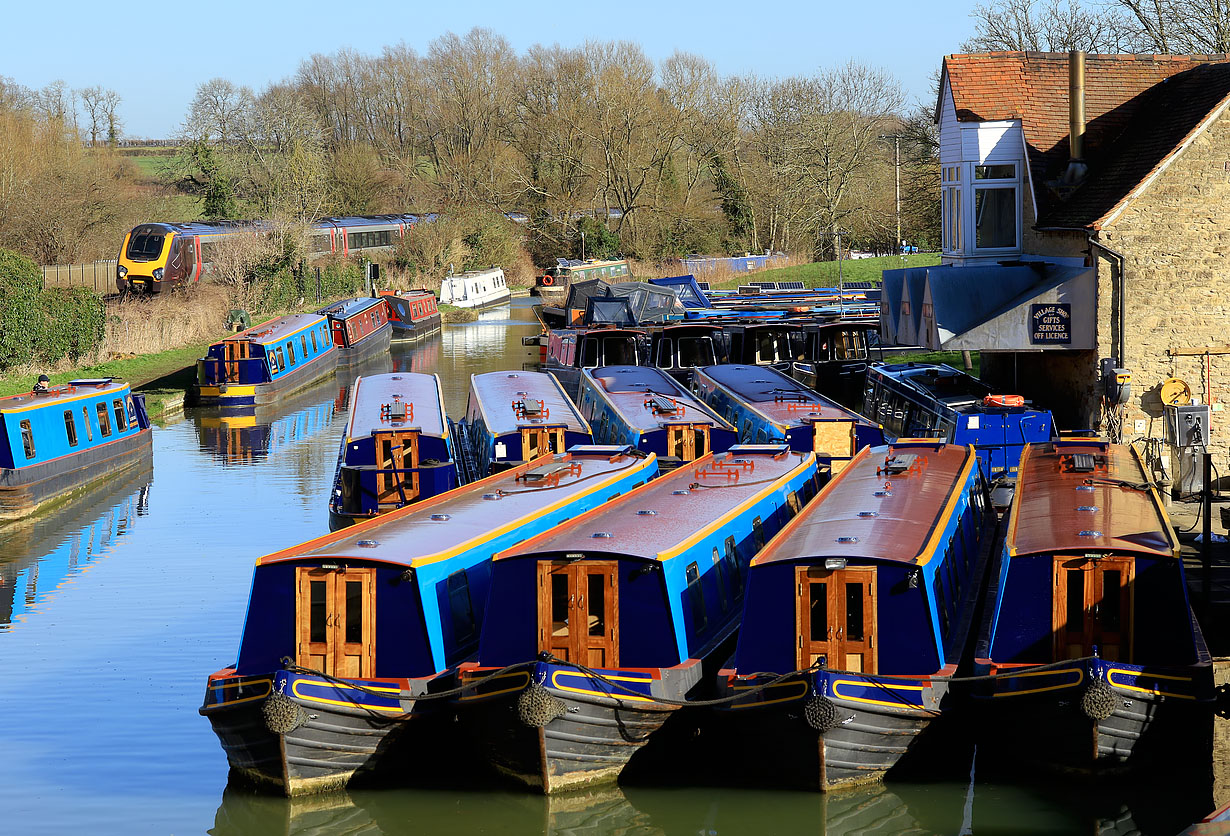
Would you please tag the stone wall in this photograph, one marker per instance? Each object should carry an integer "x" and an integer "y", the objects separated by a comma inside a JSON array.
[
  {"x": 1066, "y": 382},
  {"x": 1176, "y": 239}
]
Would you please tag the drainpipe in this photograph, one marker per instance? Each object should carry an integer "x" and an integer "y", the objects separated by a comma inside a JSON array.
[{"x": 1120, "y": 284}]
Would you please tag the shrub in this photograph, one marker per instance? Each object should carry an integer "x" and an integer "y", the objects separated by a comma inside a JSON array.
[{"x": 43, "y": 326}]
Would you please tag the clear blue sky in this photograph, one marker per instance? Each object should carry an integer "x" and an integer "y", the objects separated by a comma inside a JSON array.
[{"x": 155, "y": 55}]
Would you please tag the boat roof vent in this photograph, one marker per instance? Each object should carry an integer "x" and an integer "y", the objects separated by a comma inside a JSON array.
[
  {"x": 899, "y": 462},
  {"x": 1082, "y": 463}
]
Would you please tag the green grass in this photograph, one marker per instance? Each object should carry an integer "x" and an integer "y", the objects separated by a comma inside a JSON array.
[
  {"x": 952, "y": 358},
  {"x": 150, "y": 166},
  {"x": 824, "y": 273}
]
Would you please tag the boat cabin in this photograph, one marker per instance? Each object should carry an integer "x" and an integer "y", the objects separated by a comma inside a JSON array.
[
  {"x": 571, "y": 349},
  {"x": 355, "y": 320},
  {"x": 514, "y": 417},
  {"x": 39, "y": 427},
  {"x": 835, "y": 357},
  {"x": 678, "y": 349},
  {"x": 776, "y": 344},
  {"x": 279, "y": 355}
]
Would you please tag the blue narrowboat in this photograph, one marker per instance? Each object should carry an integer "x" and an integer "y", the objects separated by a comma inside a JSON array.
[
  {"x": 58, "y": 439},
  {"x": 865, "y": 603},
  {"x": 1096, "y": 662},
  {"x": 621, "y": 614},
  {"x": 266, "y": 361},
  {"x": 646, "y": 408},
  {"x": 513, "y": 417},
  {"x": 347, "y": 633},
  {"x": 768, "y": 405},
  {"x": 414, "y": 313},
  {"x": 396, "y": 448},
  {"x": 361, "y": 328},
  {"x": 928, "y": 400},
  {"x": 571, "y": 349}
]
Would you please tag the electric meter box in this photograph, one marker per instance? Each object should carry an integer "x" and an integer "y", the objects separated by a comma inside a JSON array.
[{"x": 1187, "y": 426}]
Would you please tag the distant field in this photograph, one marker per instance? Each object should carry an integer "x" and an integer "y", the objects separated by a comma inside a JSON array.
[
  {"x": 824, "y": 273},
  {"x": 149, "y": 165}
]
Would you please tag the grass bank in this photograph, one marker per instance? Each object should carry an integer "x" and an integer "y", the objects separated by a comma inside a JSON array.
[{"x": 824, "y": 273}]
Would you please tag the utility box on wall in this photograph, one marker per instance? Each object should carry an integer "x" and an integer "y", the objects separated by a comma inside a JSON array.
[{"x": 1187, "y": 426}]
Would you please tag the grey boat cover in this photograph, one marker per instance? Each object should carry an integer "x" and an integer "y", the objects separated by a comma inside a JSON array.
[
  {"x": 609, "y": 311},
  {"x": 687, "y": 289}
]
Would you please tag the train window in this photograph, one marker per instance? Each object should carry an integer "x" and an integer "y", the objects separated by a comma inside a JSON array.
[
  {"x": 290, "y": 351},
  {"x": 145, "y": 247},
  {"x": 121, "y": 422},
  {"x": 104, "y": 420},
  {"x": 70, "y": 427},
  {"x": 321, "y": 244},
  {"x": 27, "y": 437},
  {"x": 697, "y": 597},
  {"x": 85, "y": 418}
]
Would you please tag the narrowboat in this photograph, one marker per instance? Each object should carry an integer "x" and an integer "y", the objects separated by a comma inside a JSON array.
[
  {"x": 249, "y": 435},
  {"x": 567, "y": 271},
  {"x": 266, "y": 362},
  {"x": 571, "y": 349},
  {"x": 475, "y": 289},
  {"x": 835, "y": 357},
  {"x": 361, "y": 328},
  {"x": 865, "y": 603},
  {"x": 346, "y": 633},
  {"x": 59, "y": 439},
  {"x": 620, "y": 616},
  {"x": 648, "y": 409},
  {"x": 414, "y": 313},
  {"x": 1096, "y": 662},
  {"x": 930, "y": 400},
  {"x": 680, "y": 349},
  {"x": 775, "y": 343},
  {"x": 513, "y": 417},
  {"x": 396, "y": 448},
  {"x": 768, "y": 405}
]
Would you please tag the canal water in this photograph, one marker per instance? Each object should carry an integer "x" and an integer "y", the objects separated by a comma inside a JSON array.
[{"x": 114, "y": 609}]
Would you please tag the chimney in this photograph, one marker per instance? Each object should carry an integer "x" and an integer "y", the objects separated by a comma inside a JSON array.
[{"x": 1077, "y": 169}]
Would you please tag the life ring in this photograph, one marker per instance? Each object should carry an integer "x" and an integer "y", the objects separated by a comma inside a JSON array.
[
  {"x": 548, "y": 281},
  {"x": 1003, "y": 400}
]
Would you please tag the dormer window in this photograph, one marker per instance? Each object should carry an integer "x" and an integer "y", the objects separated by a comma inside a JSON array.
[
  {"x": 950, "y": 197},
  {"x": 996, "y": 213}
]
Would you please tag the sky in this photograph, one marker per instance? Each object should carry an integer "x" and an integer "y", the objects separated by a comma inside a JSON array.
[{"x": 156, "y": 55}]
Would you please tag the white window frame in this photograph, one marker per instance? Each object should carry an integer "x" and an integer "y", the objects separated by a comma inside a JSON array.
[{"x": 974, "y": 186}]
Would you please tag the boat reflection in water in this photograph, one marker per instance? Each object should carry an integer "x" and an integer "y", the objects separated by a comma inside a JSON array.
[
  {"x": 242, "y": 436},
  {"x": 57, "y": 546},
  {"x": 939, "y": 808}
]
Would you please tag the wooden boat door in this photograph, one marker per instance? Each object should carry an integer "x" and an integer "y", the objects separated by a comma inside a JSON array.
[
  {"x": 683, "y": 441},
  {"x": 835, "y": 617},
  {"x": 538, "y": 441},
  {"x": 336, "y": 621},
  {"x": 578, "y": 611},
  {"x": 398, "y": 451},
  {"x": 235, "y": 352},
  {"x": 1093, "y": 607}
]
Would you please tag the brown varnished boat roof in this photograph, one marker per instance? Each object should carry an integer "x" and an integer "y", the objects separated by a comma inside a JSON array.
[
  {"x": 372, "y": 392},
  {"x": 498, "y": 391},
  {"x": 627, "y": 389},
  {"x": 409, "y": 536},
  {"x": 678, "y": 519},
  {"x": 904, "y": 524},
  {"x": 761, "y": 391},
  {"x": 1045, "y": 512}
]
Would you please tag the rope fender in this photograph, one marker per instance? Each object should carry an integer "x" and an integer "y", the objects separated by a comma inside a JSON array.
[
  {"x": 282, "y": 714},
  {"x": 536, "y": 706},
  {"x": 1098, "y": 701},
  {"x": 821, "y": 714}
]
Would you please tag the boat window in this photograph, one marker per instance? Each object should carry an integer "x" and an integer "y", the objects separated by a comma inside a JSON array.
[
  {"x": 303, "y": 342},
  {"x": 666, "y": 358},
  {"x": 719, "y": 568},
  {"x": 792, "y": 500},
  {"x": 458, "y": 586},
  {"x": 818, "y": 606},
  {"x": 941, "y": 604},
  {"x": 70, "y": 427},
  {"x": 589, "y": 353},
  {"x": 132, "y": 411},
  {"x": 596, "y": 615},
  {"x": 732, "y": 562},
  {"x": 1108, "y": 610},
  {"x": 354, "y": 611},
  {"x": 696, "y": 351},
  {"x": 314, "y": 346},
  {"x": 620, "y": 352},
  {"x": 281, "y": 359},
  {"x": 290, "y": 351},
  {"x": 854, "y": 612},
  {"x": 121, "y": 422},
  {"x": 761, "y": 437},
  {"x": 758, "y": 533},
  {"x": 559, "y": 604},
  {"x": 319, "y": 612},
  {"x": 104, "y": 420},
  {"x": 697, "y": 596},
  {"x": 27, "y": 438},
  {"x": 85, "y": 419},
  {"x": 1076, "y": 600}
]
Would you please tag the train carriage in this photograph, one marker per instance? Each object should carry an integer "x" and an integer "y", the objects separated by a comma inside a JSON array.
[
  {"x": 1095, "y": 658},
  {"x": 275, "y": 358},
  {"x": 865, "y": 604},
  {"x": 621, "y": 615},
  {"x": 513, "y": 417},
  {"x": 767, "y": 405},
  {"x": 346, "y": 634},
  {"x": 646, "y": 408},
  {"x": 396, "y": 448}
]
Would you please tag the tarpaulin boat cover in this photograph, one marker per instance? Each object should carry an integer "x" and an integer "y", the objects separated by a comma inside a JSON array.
[
  {"x": 687, "y": 289},
  {"x": 648, "y": 302},
  {"x": 610, "y": 311}
]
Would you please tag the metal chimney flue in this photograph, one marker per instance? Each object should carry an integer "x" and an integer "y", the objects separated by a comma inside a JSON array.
[{"x": 1077, "y": 169}]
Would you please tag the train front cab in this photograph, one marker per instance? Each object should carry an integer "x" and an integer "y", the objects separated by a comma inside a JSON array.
[{"x": 153, "y": 256}]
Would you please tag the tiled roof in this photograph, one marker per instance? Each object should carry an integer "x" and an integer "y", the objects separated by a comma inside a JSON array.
[{"x": 1138, "y": 110}]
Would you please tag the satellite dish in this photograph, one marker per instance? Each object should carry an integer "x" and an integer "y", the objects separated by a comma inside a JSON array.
[{"x": 1175, "y": 392}]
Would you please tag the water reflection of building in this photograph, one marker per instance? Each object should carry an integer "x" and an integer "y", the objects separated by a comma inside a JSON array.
[{"x": 57, "y": 546}]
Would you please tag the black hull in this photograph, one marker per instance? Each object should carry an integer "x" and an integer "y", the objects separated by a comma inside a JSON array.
[
  {"x": 24, "y": 491},
  {"x": 416, "y": 330},
  {"x": 375, "y": 343},
  {"x": 335, "y": 746},
  {"x": 1142, "y": 734},
  {"x": 590, "y": 744}
]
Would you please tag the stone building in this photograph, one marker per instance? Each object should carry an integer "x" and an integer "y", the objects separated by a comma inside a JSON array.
[{"x": 1119, "y": 237}]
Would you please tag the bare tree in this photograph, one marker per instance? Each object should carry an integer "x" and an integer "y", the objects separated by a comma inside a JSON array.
[
  {"x": 219, "y": 112},
  {"x": 111, "y": 114},
  {"x": 91, "y": 103},
  {"x": 1049, "y": 26}
]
